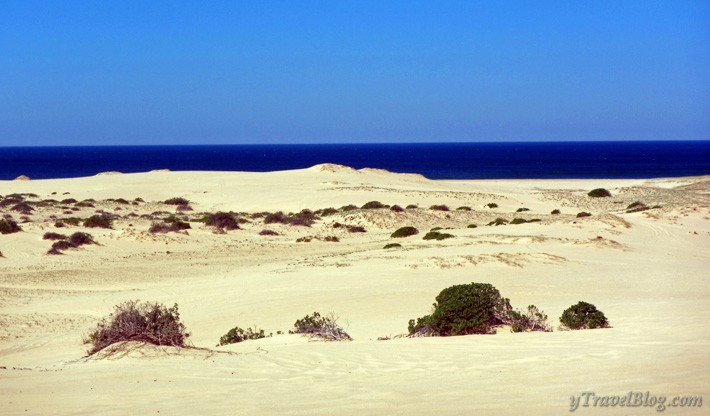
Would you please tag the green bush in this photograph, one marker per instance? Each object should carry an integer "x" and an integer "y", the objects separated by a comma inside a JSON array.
[
  {"x": 9, "y": 226},
  {"x": 392, "y": 245},
  {"x": 148, "y": 322},
  {"x": 223, "y": 221},
  {"x": 176, "y": 201},
  {"x": 492, "y": 205},
  {"x": 404, "y": 232},
  {"x": 396, "y": 208},
  {"x": 637, "y": 206},
  {"x": 498, "y": 221},
  {"x": 583, "y": 315},
  {"x": 439, "y": 208},
  {"x": 463, "y": 209},
  {"x": 555, "y": 212},
  {"x": 472, "y": 226},
  {"x": 325, "y": 327},
  {"x": 518, "y": 221},
  {"x": 599, "y": 193},
  {"x": 583, "y": 214},
  {"x": 374, "y": 205},
  {"x": 237, "y": 334},
  {"x": 533, "y": 320},
  {"x": 96, "y": 221},
  {"x": 522, "y": 209},
  {"x": 435, "y": 235},
  {"x": 473, "y": 308}
]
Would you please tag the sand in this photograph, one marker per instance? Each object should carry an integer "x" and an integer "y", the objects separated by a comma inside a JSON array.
[{"x": 647, "y": 271}]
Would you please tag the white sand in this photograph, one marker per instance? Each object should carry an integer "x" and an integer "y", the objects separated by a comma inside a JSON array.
[{"x": 648, "y": 273}]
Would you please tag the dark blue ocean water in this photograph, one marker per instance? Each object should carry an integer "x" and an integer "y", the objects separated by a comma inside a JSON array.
[{"x": 435, "y": 161}]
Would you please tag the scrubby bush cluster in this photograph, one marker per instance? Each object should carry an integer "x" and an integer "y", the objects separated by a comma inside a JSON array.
[
  {"x": 325, "y": 327},
  {"x": 176, "y": 201},
  {"x": 223, "y": 221},
  {"x": 477, "y": 308},
  {"x": 404, "y": 232},
  {"x": 63, "y": 242},
  {"x": 374, "y": 205},
  {"x": 436, "y": 235},
  {"x": 523, "y": 221},
  {"x": 304, "y": 218},
  {"x": 498, "y": 221},
  {"x": 98, "y": 221},
  {"x": 350, "y": 228},
  {"x": 583, "y": 315},
  {"x": 9, "y": 226},
  {"x": 169, "y": 224},
  {"x": 148, "y": 322},
  {"x": 238, "y": 334},
  {"x": 637, "y": 206}
]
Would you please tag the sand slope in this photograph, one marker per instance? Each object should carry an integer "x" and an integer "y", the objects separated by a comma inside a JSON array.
[{"x": 647, "y": 271}]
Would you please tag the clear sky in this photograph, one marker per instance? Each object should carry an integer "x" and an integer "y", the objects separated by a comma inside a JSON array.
[{"x": 222, "y": 72}]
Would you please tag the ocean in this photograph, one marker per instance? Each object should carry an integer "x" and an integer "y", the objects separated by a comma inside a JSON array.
[{"x": 547, "y": 160}]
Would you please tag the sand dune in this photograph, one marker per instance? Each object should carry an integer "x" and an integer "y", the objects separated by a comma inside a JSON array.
[{"x": 646, "y": 270}]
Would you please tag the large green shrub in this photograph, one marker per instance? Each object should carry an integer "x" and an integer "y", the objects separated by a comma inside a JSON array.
[
  {"x": 473, "y": 308},
  {"x": 583, "y": 315},
  {"x": 404, "y": 232},
  {"x": 149, "y": 322},
  {"x": 599, "y": 193}
]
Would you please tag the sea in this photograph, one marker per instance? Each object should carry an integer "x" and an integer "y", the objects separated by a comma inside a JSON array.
[{"x": 526, "y": 160}]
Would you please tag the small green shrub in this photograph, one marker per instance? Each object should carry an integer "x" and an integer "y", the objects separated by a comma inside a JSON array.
[
  {"x": 412, "y": 206},
  {"x": 346, "y": 208},
  {"x": 80, "y": 239},
  {"x": 439, "y": 208},
  {"x": 396, "y": 208},
  {"x": 176, "y": 201},
  {"x": 583, "y": 315},
  {"x": 331, "y": 239},
  {"x": 463, "y": 209},
  {"x": 148, "y": 322},
  {"x": 555, "y": 212},
  {"x": 53, "y": 236},
  {"x": 599, "y": 193},
  {"x": 472, "y": 226},
  {"x": 533, "y": 320},
  {"x": 637, "y": 206},
  {"x": 522, "y": 209},
  {"x": 435, "y": 235},
  {"x": 223, "y": 221},
  {"x": 237, "y": 334},
  {"x": 518, "y": 221},
  {"x": 374, "y": 205},
  {"x": 498, "y": 221},
  {"x": 96, "y": 221},
  {"x": 583, "y": 214},
  {"x": 404, "y": 232},
  {"x": 325, "y": 327},
  {"x": 392, "y": 245},
  {"x": 492, "y": 205},
  {"x": 9, "y": 226}
]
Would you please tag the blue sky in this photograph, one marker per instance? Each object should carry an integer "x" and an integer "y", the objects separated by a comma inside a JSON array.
[{"x": 175, "y": 72}]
